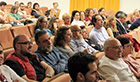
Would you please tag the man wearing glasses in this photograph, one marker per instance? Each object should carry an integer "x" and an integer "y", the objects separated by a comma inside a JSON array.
[
  {"x": 112, "y": 67},
  {"x": 25, "y": 63}
]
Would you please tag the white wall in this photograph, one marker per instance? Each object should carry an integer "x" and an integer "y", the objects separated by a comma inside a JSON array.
[
  {"x": 128, "y": 6},
  {"x": 63, "y": 4}
]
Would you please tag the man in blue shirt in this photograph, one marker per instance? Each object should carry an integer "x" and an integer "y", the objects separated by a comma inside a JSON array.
[{"x": 50, "y": 54}]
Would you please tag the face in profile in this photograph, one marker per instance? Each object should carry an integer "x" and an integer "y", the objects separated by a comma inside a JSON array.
[
  {"x": 68, "y": 36},
  {"x": 67, "y": 20},
  {"x": 99, "y": 22},
  {"x": 45, "y": 43},
  {"x": 84, "y": 33},
  {"x": 36, "y": 6}
]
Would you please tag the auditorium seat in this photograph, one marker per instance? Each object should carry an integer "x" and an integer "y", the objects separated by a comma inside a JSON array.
[
  {"x": 28, "y": 11},
  {"x": 6, "y": 39},
  {"x": 99, "y": 55},
  {"x": 43, "y": 9},
  {"x": 89, "y": 28},
  {"x": 31, "y": 28},
  {"x": 62, "y": 77}
]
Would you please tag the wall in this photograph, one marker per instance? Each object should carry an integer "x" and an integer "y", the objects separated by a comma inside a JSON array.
[
  {"x": 129, "y": 6},
  {"x": 63, "y": 4}
]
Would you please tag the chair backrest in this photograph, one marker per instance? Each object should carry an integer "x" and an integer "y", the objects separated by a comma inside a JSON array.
[
  {"x": 89, "y": 28},
  {"x": 28, "y": 11},
  {"x": 20, "y": 30},
  {"x": 99, "y": 55},
  {"x": 31, "y": 28},
  {"x": 6, "y": 38},
  {"x": 9, "y": 6},
  {"x": 43, "y": 9}
]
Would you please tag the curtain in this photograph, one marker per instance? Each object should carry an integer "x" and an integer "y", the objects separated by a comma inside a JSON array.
[{"x": 81, "y": 5}]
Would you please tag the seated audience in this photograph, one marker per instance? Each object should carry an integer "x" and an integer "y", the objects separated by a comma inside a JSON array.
[
  {"x": 62, "y": 41},
  {"x": 127, "y": 55},
  {"x": 110, "y": 25},
  {"x": 95, "y": 11},
  {"x": 83, "y": 68},
  {"x": 112, "y": 67},
  {"x": 36, "y": 12},
  {"x": 6, "y": 73},
  {"x": 82, "y": 18},
  {"x": 53, "y": 25},
  {"x": 75, "y": 19},
  {"x": 77, "y": 43},
  {"x": 50, "y": 54},
  {"x": 121, "y": 18},
  {"x": 29, "y": 5},
  {"x": 25, "y": 63},
  {"x": 14, "y": 13},
  {"x": 103, "y": 13},
  {"x": 135, "y": 15},
  {"x": 66, "y": 18},
  {"x": 42, "y": 24},
  {"x": 54, "y": 12},
  {"x": 98, "y": 33},
  {"x": 89, "y": 14},
  {"x": 135, "y": 24},
  {"x": 92, "y": 43}
]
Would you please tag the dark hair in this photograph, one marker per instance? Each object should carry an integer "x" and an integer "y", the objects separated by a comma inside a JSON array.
[
  {"x": 73, "y": 14},
  {"x": 123, "y": 39},
  {"x": 55, "y": 3},
  {"x": 94, "y": 19},
  {"x": 87, "y": 11},
  {"x": 3, "y": 3},
  {"x": 82, "y": 27},
  {"x": 50, "y": 26},
  {"x": 13, "y": 9},
  {"x": 120, "y": 14},
  {"x": 38, "y": 34},
  {"x": 79, "y": 63},
  {"x": 29, "y": 3},
  {"x": 35, "y": 5},
  {"x": 16, "y": 39},
  {"x": 101, "y": 9},
  {"x": 15, "y": 2},
  {"x": 21, "y": 4},
  {"x": 40, "y": 20},
  {"x": 59, "y": 37}
]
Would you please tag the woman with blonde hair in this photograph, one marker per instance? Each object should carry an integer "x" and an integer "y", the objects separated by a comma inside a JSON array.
[
  {"x": 110, "y": 25},
  {"x": 135, "y": 15}
]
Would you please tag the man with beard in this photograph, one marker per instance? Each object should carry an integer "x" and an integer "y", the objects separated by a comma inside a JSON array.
[
  {"x": 50, "y": 54},
  {"x": 25, "y": 63},
  {"x": 83, "y": 68},
  {"x": 112, "y": 67}
]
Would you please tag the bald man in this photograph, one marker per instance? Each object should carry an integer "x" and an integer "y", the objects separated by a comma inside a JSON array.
[
  {"x": 112, "y": 67},
  {"x": 25, "y": 63}
]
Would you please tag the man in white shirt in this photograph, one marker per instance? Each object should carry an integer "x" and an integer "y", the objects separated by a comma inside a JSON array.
[
  {"x": 98, "y": 33},
  {"x": 111, "y": 66}
]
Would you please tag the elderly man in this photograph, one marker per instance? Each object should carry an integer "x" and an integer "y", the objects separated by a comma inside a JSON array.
[
  {"x": 112, "y": 67},
  {"x": 25, "y": 63},
  {"x": 98, "y": 33},
  {"x": 50, "y": 54},
  {"x": 78, "y": 43}
]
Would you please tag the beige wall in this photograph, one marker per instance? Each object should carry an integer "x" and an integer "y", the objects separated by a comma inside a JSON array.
[{"x": 63, "y": 4}]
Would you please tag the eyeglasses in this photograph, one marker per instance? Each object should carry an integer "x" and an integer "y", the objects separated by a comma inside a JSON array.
[
  {"x": 130, "y": 45},
  {"x": 117, "y": 47},
  {"x": 26, "y": 43}
]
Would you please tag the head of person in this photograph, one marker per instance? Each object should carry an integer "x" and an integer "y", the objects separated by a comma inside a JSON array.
[
  {"x": 41, "y": 23},
  {"x": 3, "y": 5},
  {"x": 121, "y": 16},
  {"x": 63, "y": 36},
  {"x": 110, "y": 21},
  {"x": 136, "y": 13},
  {"x": 102, "y": 11},
  {"x": 16, "y": 3},
  {"x": 97, "y": 21},
  {"x": 95, "y": 11},
  {"x": 84, "y": 32},
  {"x": 127, "y": 45},
  {"x": 36, "y": 6},
  {"x": 76, "y": 30},
  {"x": 89, "y": 12},
  {"x": 14, "y": 9},
  {"x": 55, "y": 4},
  {"x": 66, "y": 18},
  {"x": 22, "y": 6},
  {"x": 53, "y": 21},
  {"x": 29, "y": 4},
  {"x": 82, "y": 15},
  {"x": 1, "y": 54},
  {"x": 43, "y": 41},
  {"x": 113, "y": 48},
  {"x": 22, "y": 44},
  {"x": 82, "y": 67},
  {"x": 75, "y": 15}
]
